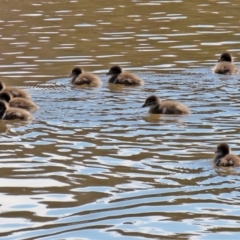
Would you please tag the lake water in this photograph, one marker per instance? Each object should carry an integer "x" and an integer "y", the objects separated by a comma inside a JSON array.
[{"x": 95, "y": 165}]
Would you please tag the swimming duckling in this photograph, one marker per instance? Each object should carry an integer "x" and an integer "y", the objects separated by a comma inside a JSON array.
[
  {"x": 7, "y": 113},
  {"x": 225, "y": 65},
  {"x": 157, "y": 106},
  {"x": 224, "y": 158},
  {"x": 18, "y": 102},
  {"x": 79, "y": 77},
  {"x": 16, "y": 92},
  {"x": 121, "y": 77}
]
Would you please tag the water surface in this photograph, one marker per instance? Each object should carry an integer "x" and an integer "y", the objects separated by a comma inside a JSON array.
[{"x": 95, "y": 165}]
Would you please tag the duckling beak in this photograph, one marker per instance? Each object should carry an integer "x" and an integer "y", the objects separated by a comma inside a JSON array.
[
  {"x": 109, "y": 73},
  {"x": 144, "y": 105}
]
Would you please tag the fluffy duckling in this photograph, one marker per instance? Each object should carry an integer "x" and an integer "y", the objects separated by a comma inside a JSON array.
[
  {"x": 8, "y": 113},
  {"x": 16, "y": 92},
  {"x": 121, "y": 77},
  {"x": 157, "y": 106},
  {"x": 225, "y": 65},
  {"x": 79, "y": 77},
  {"x": 18, "y": 102},
  {"x": 224, "y": 158}
]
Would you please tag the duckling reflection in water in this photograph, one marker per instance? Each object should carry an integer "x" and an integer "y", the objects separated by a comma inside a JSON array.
[
  {"x": 118, "y": 76},
  {"x": 157, "y": 106},
  {"x": 18, "y": 102},
  {"x": 225, "y": 65},
  {"x": 224, "y": 158},
  {"x": 16, "y": 92},
  {"x": 79, "y": 77},
  {"x": 8, "y": 113}
]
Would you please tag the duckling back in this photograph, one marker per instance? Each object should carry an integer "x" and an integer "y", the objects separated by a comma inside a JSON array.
[
  {"x": 17, "y": 114},
  {"x": 226, "y": 68},
  {"x": 225, "y": 65},
  {"x": 88, "y": 79},
  {"x": 8, "y": 113},
  {"x": 18, "y": 102},
  {"x": 224, "y": 158},
  {"x": 126, "y": 78},
  {"x": 118, "y": 76},
  {"x": 15, "y": 92},
  {"x": 79, "y": 77},
  {"x": 229, "y": 160},
  {"x": 172, "y": 107},
  {"x": 157, "y": 106},
  {"x": 24, "y": 104}
]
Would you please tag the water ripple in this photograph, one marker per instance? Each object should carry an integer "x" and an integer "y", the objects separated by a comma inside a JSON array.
[{"x": 93, "y": 162}]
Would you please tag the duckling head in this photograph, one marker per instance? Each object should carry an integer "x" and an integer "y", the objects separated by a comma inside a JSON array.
[
  {"x": 152, "y": 101},
  {"x": 6, "y": 96},
  {"x": 115, "y": 70},
  {"x": 225, "y": 57},
  {"x": 222, "y": 149},
  {"x": 2, "y": 85},
  {"x": 76, "y": 71},
  {"x": 3, "y": 107}
]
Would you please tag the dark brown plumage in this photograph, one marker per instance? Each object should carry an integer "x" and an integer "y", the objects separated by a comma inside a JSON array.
[
  {"x": 224, "y": 158},
  {"x": 18, "y": 102},
  {"x": 121, "y": 77},
  {"x": 16, "y": 92},
  {"x": 7, "y": 113},
  {"x": 79, "y": 77},
  {"x": 225, "y": 65},
  {"x": 157, "y": 106}
]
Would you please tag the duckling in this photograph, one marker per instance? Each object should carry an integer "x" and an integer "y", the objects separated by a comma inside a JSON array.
[
  {"x": 16, "y": 92},
  {"x": 8, "y": 113},
  {"x": 79, "y": 77},
  {"x": 225, "y": 65},
  {"x": 224, "y": 158},
  {"x": 18, "y": 102},
  {"x": 157, "y": 106},
  {"x": 121, "y": 77}
]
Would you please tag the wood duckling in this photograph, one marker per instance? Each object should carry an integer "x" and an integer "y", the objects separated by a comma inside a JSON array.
[
  {"x": 225, "y": 65},
  {"x": 79, "y": 77},
  {"x": 8, "y": 113},
  {"x": 224, "y": 158},
  {"x": 16, "y": 92},
  {"x": 157, "y": 106},
  {"x": 118, "y": 76},
  {"x": 18, "y": 102}
]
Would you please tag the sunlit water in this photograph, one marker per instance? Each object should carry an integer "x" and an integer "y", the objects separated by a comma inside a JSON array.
[{"x": 95, "y": 165}]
